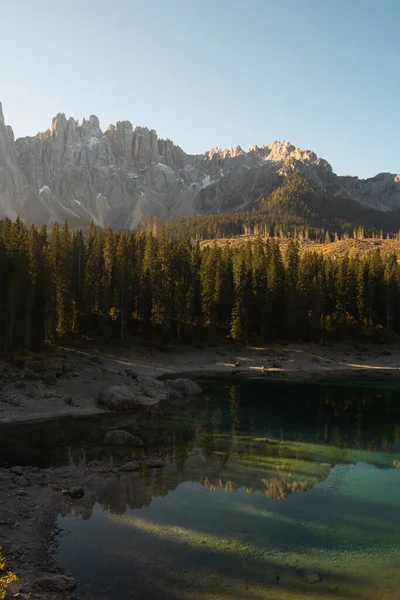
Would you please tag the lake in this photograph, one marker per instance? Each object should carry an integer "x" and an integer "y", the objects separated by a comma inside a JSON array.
[{"x": 269, "y": 491}]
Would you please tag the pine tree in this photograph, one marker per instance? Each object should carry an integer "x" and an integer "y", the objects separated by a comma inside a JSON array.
[
  {"x": 60, "y": 260},
  {"x": 276, "y": 289},
  {"x": 17, "y": 290},
  {"x": 239, "y": 320},
  {"x": 93, "y": 276},
  {"x": 122, "y": 292},
  {"x": 209, "y": 292},
  {"x": 78, "y": 280},
  {"x": 292, "y": 316}
]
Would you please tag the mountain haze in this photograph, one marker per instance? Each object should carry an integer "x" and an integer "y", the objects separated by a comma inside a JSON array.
[{"x": 123, "y": 175}]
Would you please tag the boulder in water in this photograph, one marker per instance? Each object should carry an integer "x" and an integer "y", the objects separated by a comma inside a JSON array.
[
  {"x": 54, "y": 583},
  {"x": 76, "y": 492},
  {"x": 310, "y": 576},
  {"x": 142, "y": 392},
  {"x": 119, "y": 437},
  {"x": 186, "y": 387},
  {"x": 123, "y": 398},
  {"x": 159, "y": 390},
  {"x": 132, "y": 465},
  {"x": 154, "y": 463}
]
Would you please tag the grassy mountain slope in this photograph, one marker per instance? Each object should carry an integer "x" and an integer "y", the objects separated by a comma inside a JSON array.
[{"x": 297, "y": 205}]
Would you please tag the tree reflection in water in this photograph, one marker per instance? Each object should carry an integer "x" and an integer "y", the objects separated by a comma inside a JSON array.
[{"x": 262, "y": 484}]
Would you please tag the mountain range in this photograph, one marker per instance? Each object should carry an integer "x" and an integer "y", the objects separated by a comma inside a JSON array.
[{"x": 124, "y": 175}]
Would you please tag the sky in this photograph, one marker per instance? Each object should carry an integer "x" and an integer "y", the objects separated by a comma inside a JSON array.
[{"x": 323, "y": 74}]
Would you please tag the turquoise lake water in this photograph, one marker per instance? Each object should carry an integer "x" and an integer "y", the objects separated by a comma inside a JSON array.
[{"x": 268, "y": 492}]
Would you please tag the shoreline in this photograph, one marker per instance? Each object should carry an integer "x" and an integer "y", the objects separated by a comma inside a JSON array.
[
  {"x": 367, "y": 376},
  {"x": 32, "y": 498},
  {"x": 74, "y": 378},
  {"x": 370, "y": 375}
]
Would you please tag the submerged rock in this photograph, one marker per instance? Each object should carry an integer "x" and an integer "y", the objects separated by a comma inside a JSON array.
[
  {"x": 154, "y": 463},
  {"x": 54, "y": 583},
  {"x": 95, "y": 463},
  {"x": 119, "y": 437},
  {"x": 158, "y": 390},
  {"x": 76, "y": 492},
  {"x": 310, "y": 576},
  {"x": 186, "y": 387},
  {"x": 132, "y": 465}
]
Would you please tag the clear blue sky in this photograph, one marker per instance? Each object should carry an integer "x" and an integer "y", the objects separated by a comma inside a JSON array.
[{"x": 323, "y": 74}]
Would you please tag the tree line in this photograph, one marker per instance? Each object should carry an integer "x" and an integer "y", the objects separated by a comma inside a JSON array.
[
  {"x": 296, "y": 209},
  {"x": 108, "y": 285}
]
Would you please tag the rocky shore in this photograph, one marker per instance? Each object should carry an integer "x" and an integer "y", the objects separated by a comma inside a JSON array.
[
  {"x": 30, "y": 501},
  {"x": 68, "y": 382},
  {"x": 75, "y": 383}
]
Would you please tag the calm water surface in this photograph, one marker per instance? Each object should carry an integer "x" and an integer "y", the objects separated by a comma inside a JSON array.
[{"x": 269, "y": 492}]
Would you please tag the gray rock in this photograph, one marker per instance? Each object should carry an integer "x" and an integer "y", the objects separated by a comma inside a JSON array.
[
  {"x": 56, "y": 487},
  {"x": 132, "y": 465},
  {"x": 158, "y": 390},
  {"x": 123, "y": 398},
  {"x": 310, "y": 576},
  {"x": 131, "y": 373},
  {"x": 76, "y": 492},
  {"x": 31, "y": 375},
  {"x": 24, "y": 481},
  {"x": 154, "y": 463},
  {"x": 66, "y": 368},
  {"x": 10, "y": 399},
  {"x": 17, "y": 470},
  {"x": 49, "y": 378},
  {"x": 96, "y": 360},
  {"x": 94, "y": 464},
  {"x": 54, "y": 583},
  {"x": 119, "y": 437},
  {"x": 186, "y": 387}
]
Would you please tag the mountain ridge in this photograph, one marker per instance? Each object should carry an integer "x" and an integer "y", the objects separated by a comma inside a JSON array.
[{"x": 123, "y": 175}]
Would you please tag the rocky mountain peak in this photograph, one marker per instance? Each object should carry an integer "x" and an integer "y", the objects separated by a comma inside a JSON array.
[
  {"x": 59, "y": 124},
  {"x": 126, "y": 174},
  {"x": 91, "y": 128},
  {"x": 279, "y": 149}
]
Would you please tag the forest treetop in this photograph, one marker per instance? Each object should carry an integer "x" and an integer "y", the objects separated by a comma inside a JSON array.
[{"x": 112, "y": 284}]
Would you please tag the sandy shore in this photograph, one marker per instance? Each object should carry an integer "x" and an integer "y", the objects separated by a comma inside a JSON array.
[{"x": 76, "y": 377}]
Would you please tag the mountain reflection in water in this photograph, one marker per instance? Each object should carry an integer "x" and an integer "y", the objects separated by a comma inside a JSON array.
[{"x": 267, "y": 491}]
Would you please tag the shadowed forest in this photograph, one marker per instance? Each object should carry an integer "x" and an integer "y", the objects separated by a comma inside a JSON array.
[{"x": 114, "y": 285}]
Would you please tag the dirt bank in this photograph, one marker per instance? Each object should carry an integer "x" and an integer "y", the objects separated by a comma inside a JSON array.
[{"x": 68, "y": 381}]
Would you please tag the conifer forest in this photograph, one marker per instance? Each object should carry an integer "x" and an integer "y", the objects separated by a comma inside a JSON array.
[{"x": 108, "y": 285}]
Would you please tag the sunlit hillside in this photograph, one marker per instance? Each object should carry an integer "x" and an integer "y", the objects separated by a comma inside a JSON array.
[{"x": 351, "y": 246}]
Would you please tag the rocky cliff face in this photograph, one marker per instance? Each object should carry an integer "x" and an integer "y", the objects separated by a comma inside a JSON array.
[{"x": 122, "y": 176}]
